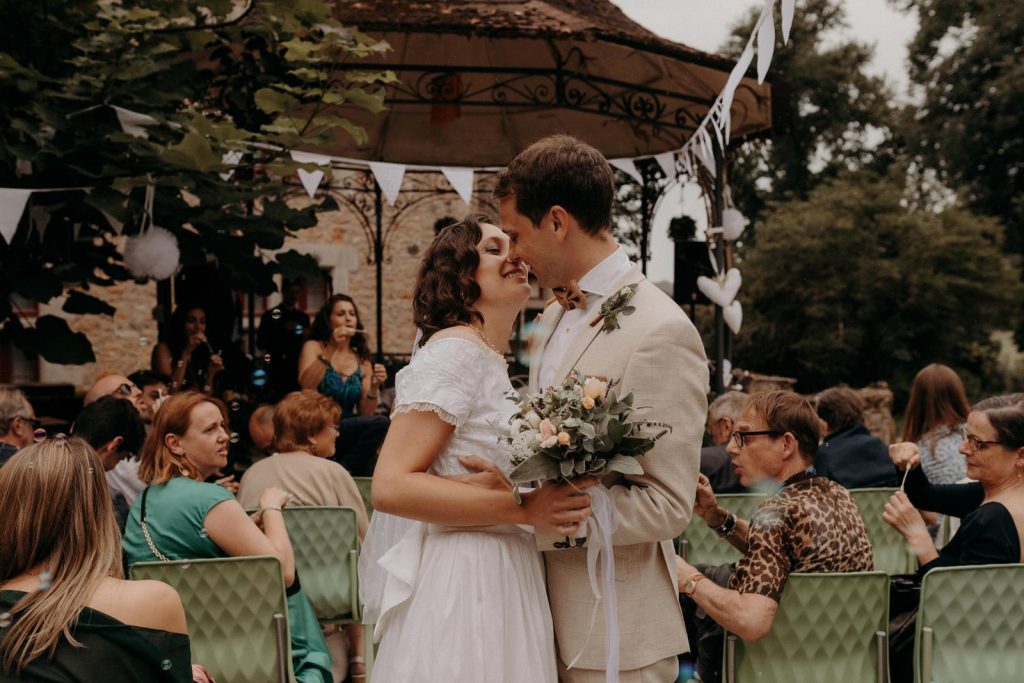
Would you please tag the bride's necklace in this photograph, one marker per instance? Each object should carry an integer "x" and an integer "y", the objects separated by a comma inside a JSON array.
[{"x": 485, "y": 340}]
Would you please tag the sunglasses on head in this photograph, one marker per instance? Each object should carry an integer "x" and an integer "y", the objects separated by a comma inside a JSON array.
[{"x": 124, "y": 389}]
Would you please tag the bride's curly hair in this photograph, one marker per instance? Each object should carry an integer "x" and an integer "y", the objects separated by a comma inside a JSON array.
[{"x": 446, "y": 286}]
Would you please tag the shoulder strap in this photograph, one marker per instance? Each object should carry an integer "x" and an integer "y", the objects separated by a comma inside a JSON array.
[{"x": 145, "y": 529}]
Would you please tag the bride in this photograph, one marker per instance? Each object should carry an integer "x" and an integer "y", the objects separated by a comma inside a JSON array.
[{"x": 455, "y": 586}]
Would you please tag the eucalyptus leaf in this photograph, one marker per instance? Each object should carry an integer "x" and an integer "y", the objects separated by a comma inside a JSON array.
[
  {"x": 624, "y": 465},
  {"x": 540, "y": 467}
]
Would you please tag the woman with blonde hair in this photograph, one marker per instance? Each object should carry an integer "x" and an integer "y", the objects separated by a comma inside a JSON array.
[
  {"x": 305, "y": 431},
  {"x": 179, "y": 516},
  {"x": 66, "y": 614}
]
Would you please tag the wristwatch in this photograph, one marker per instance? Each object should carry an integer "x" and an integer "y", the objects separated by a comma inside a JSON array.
[{"x": 690, "y": 585}]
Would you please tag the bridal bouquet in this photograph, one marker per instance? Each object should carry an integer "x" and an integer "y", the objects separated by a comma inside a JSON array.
[{"x": 575, "y": 429}]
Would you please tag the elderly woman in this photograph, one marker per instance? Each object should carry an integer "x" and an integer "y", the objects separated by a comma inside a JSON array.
[
  {"x": 336, "y": 362},
  {"x": 66, "y": 613},
  {"x": 992, "y": 508},
  {"x": 305, "y": 430},
  {"x": 179, "y": 516}
]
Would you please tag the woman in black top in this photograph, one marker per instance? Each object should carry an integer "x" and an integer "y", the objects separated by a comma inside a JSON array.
[
  {"x": 992, "y": 507},
  {"x": 66, "y": 615}
]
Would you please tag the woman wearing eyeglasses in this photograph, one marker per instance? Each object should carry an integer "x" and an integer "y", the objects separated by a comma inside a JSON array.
[{"x": 991, "y": 507}]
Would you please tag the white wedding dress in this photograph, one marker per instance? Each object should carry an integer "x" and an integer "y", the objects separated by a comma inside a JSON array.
[{"x": 457, "y": 604}]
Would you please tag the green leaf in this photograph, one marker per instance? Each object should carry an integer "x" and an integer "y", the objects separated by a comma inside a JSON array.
[
  {"x": 293, "y": 265},
  {"x": 540, "y": 467},
  {"x": 87, "y": 304},
  {"x": 624, "y": 464},
  {"x": 272, "y": 101},
  {"x": 194, "y": 153},
  {"x": 566, "y": 467}
]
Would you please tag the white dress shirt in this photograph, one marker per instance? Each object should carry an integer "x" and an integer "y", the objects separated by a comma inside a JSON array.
[{"x": 596, "y": 285}]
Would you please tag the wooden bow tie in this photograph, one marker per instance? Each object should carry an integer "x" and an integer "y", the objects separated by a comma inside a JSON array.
[{"x": 571, "y": 296}]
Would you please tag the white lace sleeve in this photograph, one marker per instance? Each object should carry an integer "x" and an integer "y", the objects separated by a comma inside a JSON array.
[{"x": 441, "y": 379}]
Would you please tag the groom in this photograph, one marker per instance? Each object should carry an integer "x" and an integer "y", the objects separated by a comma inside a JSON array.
[{"x": 555, "y": 203}]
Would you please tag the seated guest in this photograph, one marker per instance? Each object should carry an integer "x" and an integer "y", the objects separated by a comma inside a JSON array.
[
  {"x": 992, "y": 507},
  {"x": 154, "y": 387},
  {"x": 935, "y": 415},
  {"x": 123, "y": 479},
  {"x": 849, "y": 454},
  {"x": 715, "y": 463},
  {"x": 811, "y": 525},
  {"x": 18, "y": 423},
  {"x": 336, "y": 362},
  {"x": 305, "y": 430},
  {"x": 71, "y": 616},
  {"x": 186, "y": 355},
  {"x": 115, "y": 431},
  {"x": 179, "y": 516},
  {"x": 261, "y": 428}
]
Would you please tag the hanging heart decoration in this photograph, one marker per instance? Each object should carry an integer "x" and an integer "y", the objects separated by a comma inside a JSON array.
[
  {"x": 733, "y": 316},
  {"x": 721, "y": 293}
]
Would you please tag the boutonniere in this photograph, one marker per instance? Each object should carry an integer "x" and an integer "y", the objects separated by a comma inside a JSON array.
[{"x": 615, "y": 304}]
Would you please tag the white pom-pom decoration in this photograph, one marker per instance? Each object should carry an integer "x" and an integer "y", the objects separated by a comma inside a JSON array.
[
  {"x": 733, "y": 223},
  {"x": 153, "y": 254}
]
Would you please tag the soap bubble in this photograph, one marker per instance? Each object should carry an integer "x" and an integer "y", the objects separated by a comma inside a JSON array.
[
  {"x": 259, "y": 377},
  {"x": 267, "y": 358},
  {"x": 45, "y": 580},
  {"x": 5, "y": 619},
  {"x": 235, "y": 406},
  {"x": 276, "y": 314},
  {"x": 143, "y": 341},
  {"x": 235, "y": 437},
  {"x": 165, "y": 665}
]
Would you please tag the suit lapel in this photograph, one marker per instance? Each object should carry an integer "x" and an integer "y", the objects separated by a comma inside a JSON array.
[
  {"x": 548, "y": 323},
  {"x": 585, "y": 338}
]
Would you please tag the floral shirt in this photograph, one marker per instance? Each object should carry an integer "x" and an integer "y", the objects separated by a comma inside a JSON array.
[{"x": 811, "y": 525}]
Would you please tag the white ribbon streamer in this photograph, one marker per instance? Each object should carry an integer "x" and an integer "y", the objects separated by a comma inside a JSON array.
[{"x": 601, "y": 526}]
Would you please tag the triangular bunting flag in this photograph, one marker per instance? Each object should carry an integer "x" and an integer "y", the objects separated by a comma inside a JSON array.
[
  {"x": 628, "y": 167},
  {"x": 389, "y": 178},
  {"x": 787, "y": 18},
  {"x": 461, "y": 180},
  {"x": 134, "y": 123},
  {"x": 310, "y": 179},
  {"x": 765, "y": 41},
  {"x": 12, "y": 206},
  {"x": 667, "y": 161}
]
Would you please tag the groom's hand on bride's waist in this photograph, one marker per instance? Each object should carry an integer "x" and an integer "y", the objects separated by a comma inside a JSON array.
[
  {"x": 559, "y": 508},
  {"x": 483, "y": 473}
]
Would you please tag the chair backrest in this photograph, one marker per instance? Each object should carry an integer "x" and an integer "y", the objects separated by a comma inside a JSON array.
[
  {"x": 829, "y": 627},
  {"x": 364, "y": 490},
  {"x": 969, "y": 625},
  {"x": 236, "y": 612},
  {"x": 890, "y": 550},
  {"x": 325, "y": 541},
  {"x": 703, "y": 545}
]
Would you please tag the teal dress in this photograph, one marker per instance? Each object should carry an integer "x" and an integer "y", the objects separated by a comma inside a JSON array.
[
  {"x": 176, "y": 514},
  {"x": 113, "y": 652}
]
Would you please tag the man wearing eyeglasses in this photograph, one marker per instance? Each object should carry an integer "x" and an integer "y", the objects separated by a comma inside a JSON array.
[
  {"x": 18, "y": 422},
  {"x": 807, "y": 524}
]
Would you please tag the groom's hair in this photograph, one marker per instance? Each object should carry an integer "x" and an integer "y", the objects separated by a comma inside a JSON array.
[
  {"x": 562, "y": 170},
  {"x": 446, "y": 286}
]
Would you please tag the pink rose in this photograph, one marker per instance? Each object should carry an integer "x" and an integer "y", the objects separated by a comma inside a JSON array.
[{"x": 548, "y": 433}]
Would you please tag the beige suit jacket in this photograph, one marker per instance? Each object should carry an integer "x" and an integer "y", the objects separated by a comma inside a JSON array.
[{"x": 658, "y": 355}]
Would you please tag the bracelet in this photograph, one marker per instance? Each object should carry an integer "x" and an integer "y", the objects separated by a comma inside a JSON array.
[
  {"x": 728, "y": 526},
  {"x": 690, "y": 584},
  {"x": 262, "y": 510}
]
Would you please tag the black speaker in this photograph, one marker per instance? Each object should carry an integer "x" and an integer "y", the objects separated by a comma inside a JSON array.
[{"x": 692, "y": 260}]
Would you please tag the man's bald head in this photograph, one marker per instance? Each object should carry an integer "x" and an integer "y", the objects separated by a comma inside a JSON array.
[{"x": 114, "y": 385}]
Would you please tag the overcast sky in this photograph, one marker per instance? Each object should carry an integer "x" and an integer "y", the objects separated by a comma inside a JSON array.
[{"x": 705, "y": 24}]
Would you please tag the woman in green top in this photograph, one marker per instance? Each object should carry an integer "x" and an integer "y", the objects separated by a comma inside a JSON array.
[
  {"x": 66, "y": 615},
  {"x": 179, "y": 517}
]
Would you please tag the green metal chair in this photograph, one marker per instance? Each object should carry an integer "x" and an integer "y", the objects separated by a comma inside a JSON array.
[
  {"x": 364, "y": 490},
  {"x": 829, "y": 627},
  {"x": 969, "y": 625},
  {"x": 236, "y": 613},
  {"x": 700, "y": 544},
  {"x": 890, "y": 550},
  {"x": 325, "y": 542}
]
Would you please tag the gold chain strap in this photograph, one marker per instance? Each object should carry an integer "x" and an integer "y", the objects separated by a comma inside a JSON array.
[{"x": 145, "y": 531}]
